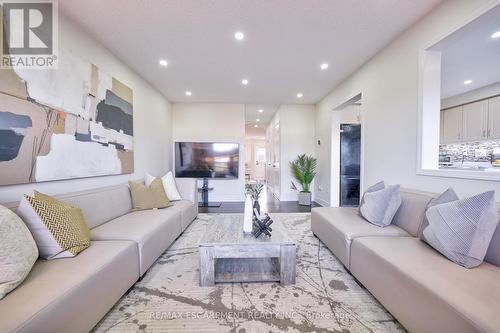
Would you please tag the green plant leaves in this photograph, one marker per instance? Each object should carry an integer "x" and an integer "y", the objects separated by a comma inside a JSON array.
[{"x": 304, "y": 170}]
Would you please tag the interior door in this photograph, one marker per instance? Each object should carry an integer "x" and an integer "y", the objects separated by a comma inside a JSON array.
[{"x": 259, "y": 160}]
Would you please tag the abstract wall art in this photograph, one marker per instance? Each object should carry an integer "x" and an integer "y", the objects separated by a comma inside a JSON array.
[{"x": 73, "y": 122}]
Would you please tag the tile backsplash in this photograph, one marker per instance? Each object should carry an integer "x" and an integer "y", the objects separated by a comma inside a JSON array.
[{"x": 470, "y": 151}]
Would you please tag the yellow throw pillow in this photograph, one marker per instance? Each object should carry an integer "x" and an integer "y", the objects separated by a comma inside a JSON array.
[
  {"x": 59, "y": 229},
  {"x": 148, "y": 197}
]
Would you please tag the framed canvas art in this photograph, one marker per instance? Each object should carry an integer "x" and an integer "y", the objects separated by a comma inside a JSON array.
[{"x": 72, "y": 122}]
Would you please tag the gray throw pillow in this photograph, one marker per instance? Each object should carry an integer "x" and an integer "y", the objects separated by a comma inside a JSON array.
[
  {"x": 462, "y": 229},
  {"x": 446, "y": 196},
  {"x": 379, "y": 207},
  {"x": 376, "y": 187}
]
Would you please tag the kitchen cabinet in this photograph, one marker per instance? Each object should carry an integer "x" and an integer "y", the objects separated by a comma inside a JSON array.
[
  {"x": 475, "y": 121},
  {"x": 452, "y": 125},
  {"x": 494, "y": 118},
  {"x": 471, "y": 122}
]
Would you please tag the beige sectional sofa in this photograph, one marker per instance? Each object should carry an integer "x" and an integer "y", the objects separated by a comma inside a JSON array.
[
  {"x": 73, "y": 294},
  {"x": 424, "y": 290}
]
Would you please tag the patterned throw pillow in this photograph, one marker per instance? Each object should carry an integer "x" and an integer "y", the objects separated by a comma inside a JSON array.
[
  {"x": 59, "y": 229},
  {"x": 447, "y": 196},
  {"x": 462, "y": 229},
  {"x": 148, "y": 197},
  {"x": 18, "y": 251}
]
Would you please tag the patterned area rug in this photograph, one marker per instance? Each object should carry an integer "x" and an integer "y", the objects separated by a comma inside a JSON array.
[{"x": 326, "y": 298}]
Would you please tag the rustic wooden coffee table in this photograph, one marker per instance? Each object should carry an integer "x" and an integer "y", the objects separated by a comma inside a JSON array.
[{"x": 229, "y": 255}]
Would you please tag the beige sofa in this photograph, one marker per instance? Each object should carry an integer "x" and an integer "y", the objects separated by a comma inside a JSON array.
[
  {"x": 73, "y": 294},
  {"x": 424, "y": 290}
]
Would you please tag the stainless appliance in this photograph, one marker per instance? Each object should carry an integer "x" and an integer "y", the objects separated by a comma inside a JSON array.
[{"x": 445, "y": 160}]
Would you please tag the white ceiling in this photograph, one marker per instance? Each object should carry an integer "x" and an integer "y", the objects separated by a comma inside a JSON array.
[
  {"x": 470, "y": 54},
  {"x": 252, "y": 114},
  {"x": 285, "y": 43}
]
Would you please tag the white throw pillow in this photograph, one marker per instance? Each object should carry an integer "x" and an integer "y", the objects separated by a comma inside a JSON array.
[
  {"x": 18, "y": 251},
  {"x": 379, "y": 207},
  {"x": 462, "y": 229},
  {"x": 168, "y": 184}
]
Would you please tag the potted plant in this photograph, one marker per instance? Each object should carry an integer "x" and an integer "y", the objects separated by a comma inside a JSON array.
[
  {"x": 304, "y": 171},
  {"x": 254, "y": 190}
]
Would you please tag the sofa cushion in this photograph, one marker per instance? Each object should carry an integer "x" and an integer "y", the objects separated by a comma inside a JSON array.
[
  {"x": 18, "y": 251},
  {"x": 446, "y": 196},
  {"x": 493, "y": 254},
  {"x": 153, "y": 230},
  {"x": 59, "y": 229},
  {"x": 188, "y": 210},
  {"x": 148, "y": 196},
  {"x": 338, "y": 226},
  {"x": 425, "y": 291},
  {"x": 379, "y": 207},
  {"x": 71, "y": 294},
  {"x": 462, "y": 230},
  {"x": 102, "y": 204},
  {"x": 411, "y": 212}
]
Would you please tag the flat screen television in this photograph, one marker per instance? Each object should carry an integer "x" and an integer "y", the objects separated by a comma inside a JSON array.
[{"x": 207, "y": 160}]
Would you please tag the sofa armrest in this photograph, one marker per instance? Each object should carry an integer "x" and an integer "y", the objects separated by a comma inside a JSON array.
[{"x": 188, "y": 189}]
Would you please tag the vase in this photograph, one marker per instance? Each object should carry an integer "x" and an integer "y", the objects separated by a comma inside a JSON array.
[{"x": 304, "y": 198}]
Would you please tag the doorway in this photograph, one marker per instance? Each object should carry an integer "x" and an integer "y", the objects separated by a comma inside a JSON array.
[
  {"x": 350, "y": 161},
  {"x": 347, "y": 154}
]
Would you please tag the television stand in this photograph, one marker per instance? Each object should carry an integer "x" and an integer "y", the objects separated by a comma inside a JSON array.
[{"x": 204, "y": 195}]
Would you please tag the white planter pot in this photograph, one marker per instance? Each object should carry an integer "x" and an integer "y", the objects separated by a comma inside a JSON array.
[{"x": 304, "y": 198}]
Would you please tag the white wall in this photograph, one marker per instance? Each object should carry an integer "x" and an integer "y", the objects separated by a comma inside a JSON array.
[
  {"x": 297, "y": 137},
  {"x": 470, "y": 96},
  {"x": 152, "y": 120},
  {"x": 389, "y": 83},
  {"x": 214, "y": 123}
]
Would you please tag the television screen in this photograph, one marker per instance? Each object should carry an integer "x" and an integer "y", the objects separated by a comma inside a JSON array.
[{"x": 207, "y": 160}]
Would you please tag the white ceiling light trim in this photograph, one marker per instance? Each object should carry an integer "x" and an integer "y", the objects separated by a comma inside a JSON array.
[
  {"x": 467, "y": 81},
  {"x": 324, "y": 66},
  {"x": 188, "y": 93},
  {"x": 163, "y": 62},
  {"x": 244, "y": 82},
  {"x": 300, "y": 95}
]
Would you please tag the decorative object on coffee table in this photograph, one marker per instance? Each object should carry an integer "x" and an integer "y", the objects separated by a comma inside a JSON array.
[
  {"x": 248, "y": 216},
  {"x": 255, "y": 190},
  {"x": 228, "y": 255},
  {"x": 304, "y": 170},
  {"x": 261, "y": 224}
]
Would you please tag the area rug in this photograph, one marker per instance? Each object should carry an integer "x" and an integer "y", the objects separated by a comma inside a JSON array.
[{"x": 325, "y": 298}]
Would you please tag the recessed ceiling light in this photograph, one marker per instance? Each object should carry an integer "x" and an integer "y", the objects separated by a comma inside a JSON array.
[
  {"x": 257, "y": 120},
  {"x": 496, "y": 34},
  {"x": 244, "y": 82},
  {"x": 163, "y": 62},
  {"x": 255, "y": 126},
  {"x": 324, "y": 66},
  {"x": 467, "y": 81},
  {"x": 239, "y": 35},
  {"x": 260, "y": 110},
  {"x": 188, "y": 93},
  {"x": 299, "y": 95}
]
